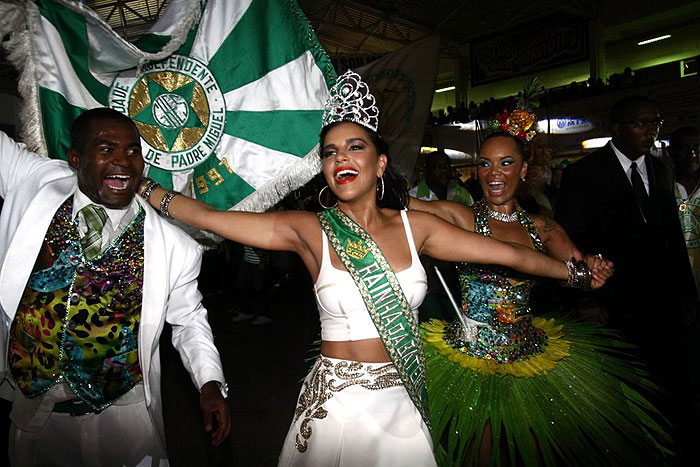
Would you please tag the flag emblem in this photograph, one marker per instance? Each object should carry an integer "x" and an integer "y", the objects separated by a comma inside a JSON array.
[
  {"x": 178, "y": 108},
  {"x": 227, "y": 95}
]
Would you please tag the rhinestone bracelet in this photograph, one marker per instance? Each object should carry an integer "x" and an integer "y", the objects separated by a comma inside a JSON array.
[
  {"x": 165, "y": 202},
  {"x": 571, "y": 270},
  {"x": 146, "y": 188},
  {"x": 579, "y": 275}
]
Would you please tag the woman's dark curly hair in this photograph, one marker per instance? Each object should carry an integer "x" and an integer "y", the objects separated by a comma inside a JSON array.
[
  {"x": 395, "y": 191},
  {"x": 519, "y": 144}
]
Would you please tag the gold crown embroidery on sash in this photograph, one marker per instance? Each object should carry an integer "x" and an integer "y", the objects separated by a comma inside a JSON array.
[{"x": 356, "y": 249}]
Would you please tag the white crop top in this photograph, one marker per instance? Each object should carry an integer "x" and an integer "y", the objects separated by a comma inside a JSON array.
[{"x": 343, "y": 314}]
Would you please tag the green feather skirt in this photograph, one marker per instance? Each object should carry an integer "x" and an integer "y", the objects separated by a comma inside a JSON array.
[{"x": 580, "y": 402}]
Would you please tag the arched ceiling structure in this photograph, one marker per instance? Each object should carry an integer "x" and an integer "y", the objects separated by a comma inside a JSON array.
[{"x": 382, "y": 26}]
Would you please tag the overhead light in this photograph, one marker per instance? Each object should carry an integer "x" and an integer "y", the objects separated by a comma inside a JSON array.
[
  {"x": 457, "y": 155},
  {"x": 465, "y": 126},
  {"x": 595, "y": 143},
  {"x": 448, "y": 88},
  {"x": 654, "y": 39}
]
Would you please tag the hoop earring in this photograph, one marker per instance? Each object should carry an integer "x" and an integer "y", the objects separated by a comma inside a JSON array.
[
  {"x": 380, "y": 196},
  {"x": 321, "y": 202}
]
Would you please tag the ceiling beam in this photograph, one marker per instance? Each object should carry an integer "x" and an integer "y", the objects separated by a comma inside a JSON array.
[
  {"x": 352, "y": 12},
  {"x": 450, "y": 15}
]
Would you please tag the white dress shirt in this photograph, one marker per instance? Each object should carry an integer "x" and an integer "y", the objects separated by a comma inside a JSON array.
[
  {"x": 627, "y": 166},
  {"x": 115, "y": 217}
]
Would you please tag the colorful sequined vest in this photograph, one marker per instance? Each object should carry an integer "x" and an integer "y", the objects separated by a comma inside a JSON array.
[
  {"x": 488, "y": 296},
  {"x": 79, "y": 319}
]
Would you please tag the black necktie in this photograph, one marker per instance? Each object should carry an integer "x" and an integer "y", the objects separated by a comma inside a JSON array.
[{"x": 639, "y": 191}]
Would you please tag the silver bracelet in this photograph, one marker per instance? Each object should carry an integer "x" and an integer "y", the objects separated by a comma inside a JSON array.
[
  {"x": 579, "y": 275},
  {"x": 146, "y": 190},
  {"x": 165, "y": 202},
  {"x": 583, "y": 275},
  {"x": 571, "y": 270}
]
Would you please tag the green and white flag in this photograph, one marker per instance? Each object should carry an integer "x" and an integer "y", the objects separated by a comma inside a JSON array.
[{"x": 227, "y": 94}]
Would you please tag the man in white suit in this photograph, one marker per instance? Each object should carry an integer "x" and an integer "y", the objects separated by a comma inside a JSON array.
[{"x": 89, "y": 273}]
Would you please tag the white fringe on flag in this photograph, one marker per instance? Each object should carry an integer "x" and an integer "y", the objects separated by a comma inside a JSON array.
[
  {"x": 13, "y": 21},
  {"x": 267, "y": 196}
]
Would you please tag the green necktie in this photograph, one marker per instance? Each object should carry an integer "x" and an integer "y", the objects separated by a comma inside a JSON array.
[{"x": 94, "y": 217}]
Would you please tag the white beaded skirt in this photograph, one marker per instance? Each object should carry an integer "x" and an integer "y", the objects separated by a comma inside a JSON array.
[{"x": 352, "y": 413}]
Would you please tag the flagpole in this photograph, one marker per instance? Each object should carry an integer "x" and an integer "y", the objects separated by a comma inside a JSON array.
[{"x": 469, "y": 326}]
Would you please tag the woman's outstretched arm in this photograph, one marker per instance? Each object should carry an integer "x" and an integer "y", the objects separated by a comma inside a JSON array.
[
  {"x": 288, "y": 231},
  {"x": 451, "y": 211},
  {"x": 443, "y": 240}
]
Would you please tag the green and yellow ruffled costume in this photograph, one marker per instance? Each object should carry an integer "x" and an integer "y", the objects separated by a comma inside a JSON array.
[{"x": 553, "y": 392}]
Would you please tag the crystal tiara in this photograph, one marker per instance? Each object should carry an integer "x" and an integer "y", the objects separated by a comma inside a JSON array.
[{"x": 351, "y": 101}]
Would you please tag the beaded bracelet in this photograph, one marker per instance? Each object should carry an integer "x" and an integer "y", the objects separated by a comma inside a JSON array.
[
  {"x": 146, "y": 188},
  {"x": 165, "y": 202}
]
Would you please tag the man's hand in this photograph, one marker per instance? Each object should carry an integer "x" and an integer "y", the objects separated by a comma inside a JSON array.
[{"x": 215, "y": 412}]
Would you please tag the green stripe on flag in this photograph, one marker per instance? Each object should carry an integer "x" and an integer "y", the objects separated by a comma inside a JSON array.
[
  {"x": 57, "y": 116},
  {"x": 228, "y": 193},
  {"x": 275, "y": 27},
  {"x": 73, "y": 31},
  {"x": 152, "y": 43},
  {"x": 162, "y": 176},
  {"x": 298, "y": 129}
]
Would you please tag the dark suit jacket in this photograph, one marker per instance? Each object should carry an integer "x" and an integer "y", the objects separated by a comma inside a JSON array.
[{"x": 598, "y": 210}]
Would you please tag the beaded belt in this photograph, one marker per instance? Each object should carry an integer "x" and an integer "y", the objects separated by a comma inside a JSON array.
[{"x": 331, "y": 376}]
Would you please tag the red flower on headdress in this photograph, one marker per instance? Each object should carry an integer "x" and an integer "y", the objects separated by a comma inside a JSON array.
[{"x": 503, "y": 118}]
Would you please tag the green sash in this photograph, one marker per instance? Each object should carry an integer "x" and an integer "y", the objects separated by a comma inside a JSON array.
[{"x": 384, "y": 299}]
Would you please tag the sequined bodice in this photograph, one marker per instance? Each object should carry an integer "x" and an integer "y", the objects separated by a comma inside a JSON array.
[
  {"x": 499, "y": 297},
  {"x": 495, "y": 294}
]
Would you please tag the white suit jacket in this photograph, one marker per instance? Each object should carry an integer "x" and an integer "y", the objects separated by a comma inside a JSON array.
[{"x": 33, "y": 188}]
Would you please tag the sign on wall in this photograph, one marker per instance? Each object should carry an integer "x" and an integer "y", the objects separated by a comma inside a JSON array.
[
  {"x": 549, "y": 43},
  {"x": 344, "y": 62}
]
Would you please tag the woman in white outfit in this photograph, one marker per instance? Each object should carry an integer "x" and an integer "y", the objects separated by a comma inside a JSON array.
[{"x": 364, "y": 402}]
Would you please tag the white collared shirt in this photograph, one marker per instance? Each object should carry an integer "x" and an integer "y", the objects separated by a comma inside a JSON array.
[
  {"x": 627, "y": 166},
  {"x": 115, "y": 217}
]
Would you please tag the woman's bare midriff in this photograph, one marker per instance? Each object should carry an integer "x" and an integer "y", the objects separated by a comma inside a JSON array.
[{"x": 366, "y": 350}]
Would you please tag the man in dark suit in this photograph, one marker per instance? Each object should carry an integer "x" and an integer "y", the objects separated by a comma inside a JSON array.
[{"x": 619, "y": 201}]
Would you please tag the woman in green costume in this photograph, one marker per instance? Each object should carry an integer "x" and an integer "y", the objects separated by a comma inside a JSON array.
[{"x": 509, "y": 388}]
